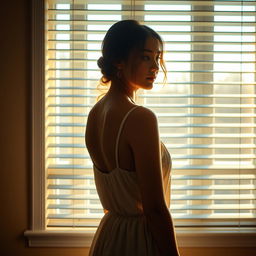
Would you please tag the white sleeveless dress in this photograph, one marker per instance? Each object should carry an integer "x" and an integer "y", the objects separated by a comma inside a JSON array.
[{"x": 123, "y": 231}]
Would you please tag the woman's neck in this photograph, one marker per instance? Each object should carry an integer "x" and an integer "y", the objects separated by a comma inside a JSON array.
[{"x": 116, "y": 92}]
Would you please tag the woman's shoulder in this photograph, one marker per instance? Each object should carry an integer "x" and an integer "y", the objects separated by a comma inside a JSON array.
[
  {"x": 95, "y": 110},
  {"x": 142, "y": 122},
  {"x": 143, "y": 114},
  {"x": 146, "y": 110}
]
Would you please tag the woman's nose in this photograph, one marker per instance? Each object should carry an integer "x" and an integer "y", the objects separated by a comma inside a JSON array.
[{"x": 155, "y": 66}]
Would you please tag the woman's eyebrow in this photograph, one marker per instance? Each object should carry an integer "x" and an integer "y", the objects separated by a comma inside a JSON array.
[{"x": 147, "y": 50}]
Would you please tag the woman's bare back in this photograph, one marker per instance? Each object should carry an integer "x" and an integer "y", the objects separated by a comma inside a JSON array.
[{"x": 103, "y": 123}]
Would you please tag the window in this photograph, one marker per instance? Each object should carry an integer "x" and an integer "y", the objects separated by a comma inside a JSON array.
[{"x": 206, "y": 111}]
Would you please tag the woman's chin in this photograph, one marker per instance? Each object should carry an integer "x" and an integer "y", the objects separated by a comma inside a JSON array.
[
  {"x": 149, "y": 86},
  {"x": 145, "y": 86}
]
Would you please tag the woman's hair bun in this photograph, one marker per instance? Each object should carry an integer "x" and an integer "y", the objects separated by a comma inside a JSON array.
[{"x": 100, "y": 62}]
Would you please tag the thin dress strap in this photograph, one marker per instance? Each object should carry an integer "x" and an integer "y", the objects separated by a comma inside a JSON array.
[{"x": 119, "y": 133}]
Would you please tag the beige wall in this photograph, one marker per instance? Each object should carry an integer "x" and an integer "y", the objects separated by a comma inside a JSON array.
[{"x": 15, "y": 142}]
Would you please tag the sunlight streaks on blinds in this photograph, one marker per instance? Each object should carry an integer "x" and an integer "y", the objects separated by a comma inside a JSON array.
[{"x": 206, "y": 110}]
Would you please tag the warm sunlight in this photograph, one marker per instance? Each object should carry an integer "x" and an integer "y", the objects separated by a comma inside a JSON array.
[{"x": 206, "y": 109}]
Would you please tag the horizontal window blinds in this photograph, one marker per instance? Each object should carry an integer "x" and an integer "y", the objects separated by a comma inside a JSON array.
[{"x": 206, "y": 110}]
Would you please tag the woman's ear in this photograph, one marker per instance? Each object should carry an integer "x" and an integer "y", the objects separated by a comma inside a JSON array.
[{"x": 119, "y": 65}]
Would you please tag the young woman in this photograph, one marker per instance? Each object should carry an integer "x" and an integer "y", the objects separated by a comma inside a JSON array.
[{"x": 131, "y": 165}]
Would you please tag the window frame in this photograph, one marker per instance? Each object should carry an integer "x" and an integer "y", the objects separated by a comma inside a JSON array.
[{"x": 38, "y": 235}]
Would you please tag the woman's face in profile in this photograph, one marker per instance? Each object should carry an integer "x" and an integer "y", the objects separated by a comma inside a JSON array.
[{"x": 142, "y": 67}]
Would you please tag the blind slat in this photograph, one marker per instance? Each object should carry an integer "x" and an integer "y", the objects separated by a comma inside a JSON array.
[
  {"x": 174, "y": 197},
  {"x": 174, "y": 177},
  {"x": 175, "y": 207},
  {"x": 183, "y": 167}
]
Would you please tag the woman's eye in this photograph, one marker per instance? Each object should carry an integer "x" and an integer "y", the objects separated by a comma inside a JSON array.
[{"x": 145, "y": 57}]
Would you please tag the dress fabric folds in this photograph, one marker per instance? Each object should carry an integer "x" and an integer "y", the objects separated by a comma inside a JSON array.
[{"x": 123, "y": 231}]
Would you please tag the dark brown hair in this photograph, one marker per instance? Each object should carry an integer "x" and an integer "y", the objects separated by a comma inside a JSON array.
[{"x": 120, "y": 41}]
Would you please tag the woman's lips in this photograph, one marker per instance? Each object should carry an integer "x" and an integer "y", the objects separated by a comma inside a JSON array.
[{"x": 151, "y": 77}]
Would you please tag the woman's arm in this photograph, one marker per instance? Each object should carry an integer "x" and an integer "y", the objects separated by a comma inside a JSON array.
[{"x": 145, "y": 144}]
